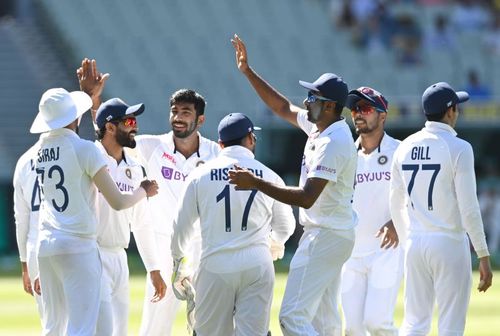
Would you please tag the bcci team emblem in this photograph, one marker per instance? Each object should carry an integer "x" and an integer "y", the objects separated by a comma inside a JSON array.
[
  {"x": 128, "y": 173},
  {"x": 382, "y": 160}
]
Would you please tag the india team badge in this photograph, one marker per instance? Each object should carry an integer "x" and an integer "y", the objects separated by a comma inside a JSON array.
[
  {"x": 128, "y": 173},
  {"x": 382, "y": 160}
]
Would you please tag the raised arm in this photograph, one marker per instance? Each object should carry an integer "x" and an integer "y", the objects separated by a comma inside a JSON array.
[
  {"x": 278, "y": 103},
  {"x": 91, "y": 82}
]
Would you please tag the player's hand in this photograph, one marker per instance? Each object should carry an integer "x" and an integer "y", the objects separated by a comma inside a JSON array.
[
  {"x": 485, "y": 274},
  {"x": 241, "y": 53},
  {"x": 36, "y": 284},
  {"x": 159, "y": 285},
  {"x": 150, "y": 186},
  {"x": 27, "y": 283},
  {"x": 91, "y": 81},
  {"x": 389, "y": 236},
  {"x": 242, "y": 178},
  {"x": 181, "y": 273},
  {"x": 277, "y": 249}
]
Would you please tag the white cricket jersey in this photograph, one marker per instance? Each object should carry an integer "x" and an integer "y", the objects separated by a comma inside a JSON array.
[
  {"x": 230, "y": 220},
  {"x": 26, "y": 202},
  {"x": 433, "y": 179},
  {"x": 170, "y": 169},
  {"x": 65, "y": 166},
  {"x": 371, "y": 194},
  {"x": 113, "y": 231},
  {"x": 329, "y": 155}
]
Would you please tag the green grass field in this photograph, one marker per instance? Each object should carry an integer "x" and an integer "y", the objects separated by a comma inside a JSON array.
[{"x": 18, "y": 314}]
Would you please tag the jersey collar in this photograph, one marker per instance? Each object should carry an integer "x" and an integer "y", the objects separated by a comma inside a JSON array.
[
  {"x": 237, "y": 151},
  {"x": 435, "y": 126},
  {"x": 170, "y": 136}
]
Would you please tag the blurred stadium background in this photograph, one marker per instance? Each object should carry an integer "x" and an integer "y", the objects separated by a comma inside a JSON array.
[{"x": 152, "y": 48}]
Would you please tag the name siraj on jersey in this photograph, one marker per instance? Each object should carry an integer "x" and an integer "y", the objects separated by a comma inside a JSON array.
[
  {"x": 221, "y": 174},
  {"x": 373, "y": 176},
  {"x": 48, "y": 154}
]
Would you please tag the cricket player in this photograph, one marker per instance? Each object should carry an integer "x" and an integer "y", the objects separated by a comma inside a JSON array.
[
  {"x": 69, "y": 169},
  {"x": 434, "y": 185},
  {"x": 27, "y": 200},
  {"x": 372, "y": 275},
  {"x": 168, "y": 159},
  {"x": 235, "y": 278},
  {"x": 117, "y": 127},
  {"x": 324, "y": 196}
]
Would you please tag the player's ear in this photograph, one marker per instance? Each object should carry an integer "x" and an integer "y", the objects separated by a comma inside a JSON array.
[{"x": 201, "y": 120}]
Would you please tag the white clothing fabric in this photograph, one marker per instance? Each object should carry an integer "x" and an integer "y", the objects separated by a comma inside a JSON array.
[
  {"x": 170, "y": 169},
  {"x": 309, "y": 305},
  {"x": 371, "y": 195},
  {"x": 70, "y": 285},
  {"x": 372, "y": 276},
  {"x": 310, "y": 302},
  {"x": 70, "y": 268},
  {"x": 236, "y": 226},
  {"x": 27, "y": 200},
  {"x": 433, "y": 182},
  {"x": 329, "y": 155},
  {"x": 114, "y": 298}
]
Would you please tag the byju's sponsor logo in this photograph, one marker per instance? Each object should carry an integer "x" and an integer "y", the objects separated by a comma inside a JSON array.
[{"x": 171, "y": 174}]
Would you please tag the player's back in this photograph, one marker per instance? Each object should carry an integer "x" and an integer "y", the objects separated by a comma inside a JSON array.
[
  {"x": 427, "y": 162},
  {"x": 65, "y": 166},
  {"x": 232, "y": 219}
]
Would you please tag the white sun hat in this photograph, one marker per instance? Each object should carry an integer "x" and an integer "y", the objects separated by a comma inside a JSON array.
[{"x": 58, "y": 108}]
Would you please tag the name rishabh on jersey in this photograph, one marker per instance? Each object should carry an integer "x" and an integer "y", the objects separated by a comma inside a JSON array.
[{"x": 230, "y": 219}]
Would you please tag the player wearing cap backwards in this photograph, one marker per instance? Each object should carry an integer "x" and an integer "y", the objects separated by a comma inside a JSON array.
[
  {"x": 235, "y": 279},
  {"x": 68, "y": 170},
  {"x": 324, "y": 196},
  {"x": 117, "y": 127},
  {"x": 372, "y": 275},
  {"x": 168, "y": 158},
  {"x": 434, "y": 185},
  {"x": 26, "y": 205}
]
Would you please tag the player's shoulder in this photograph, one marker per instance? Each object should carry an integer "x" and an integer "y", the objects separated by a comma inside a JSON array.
[
  {"x": 389, "y": 143},
  {"x": 209, "y": 146}
]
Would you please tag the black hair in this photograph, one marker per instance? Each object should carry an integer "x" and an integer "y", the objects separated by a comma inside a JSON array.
[
  {"x": 235, "y": 142},
  {"x": 439, "y": 116},
  {"x": 189, "y": 96}
]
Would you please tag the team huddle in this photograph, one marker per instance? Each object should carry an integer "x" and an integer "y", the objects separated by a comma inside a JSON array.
[{"x": 209, "y": 219}]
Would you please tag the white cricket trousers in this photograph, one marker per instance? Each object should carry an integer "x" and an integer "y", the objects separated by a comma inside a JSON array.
[
  {"x": 437, "y": 267},
  {"x": 235, "y": 303},
  {"x": 310, "y": 303},
  {"x": 70, "y": 285},
  {"x": 114, "y": 306},
  {"x": 369, "y": 287},
  {"x": 158, "y": 317}
]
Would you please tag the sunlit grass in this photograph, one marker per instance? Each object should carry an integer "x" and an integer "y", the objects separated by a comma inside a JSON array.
[{"x": 18, "y": 314}]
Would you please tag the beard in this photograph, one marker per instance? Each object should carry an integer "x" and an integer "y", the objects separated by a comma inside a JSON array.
[
  {"x": 125, "y": 139},
  {"x": 190, "y": 129}
]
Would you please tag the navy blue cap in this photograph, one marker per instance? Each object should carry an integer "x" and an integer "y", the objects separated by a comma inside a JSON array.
[
  {"x": 375, "y": 98},
  {"x": 330, "y": 86},
  {"x": 114, "y": 109},
  {"x": 235, "y": 126},
  {"x": 438, "y": 97}
]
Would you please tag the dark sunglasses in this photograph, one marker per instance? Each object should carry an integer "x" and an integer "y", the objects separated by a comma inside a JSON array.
[{"x": 312, "y": 98}]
